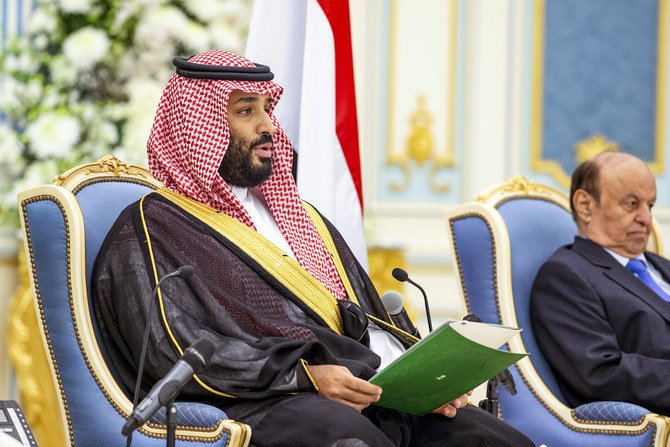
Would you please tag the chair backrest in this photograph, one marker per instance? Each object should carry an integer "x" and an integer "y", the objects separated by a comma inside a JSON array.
[
  {"x": 64, "y": 225},
  {"x": 500, "y": 241},
  {"x": 536, "y": 228}
]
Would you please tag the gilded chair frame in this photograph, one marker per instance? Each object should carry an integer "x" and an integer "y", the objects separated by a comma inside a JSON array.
[
  {"x": 485, "y": 207},
  {"x": 62, "y": 193}
]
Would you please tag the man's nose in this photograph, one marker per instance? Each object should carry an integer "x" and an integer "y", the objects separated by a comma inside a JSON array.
[
  {"x": 644, "y": 215},
  {"x": 267, "y": 126}
]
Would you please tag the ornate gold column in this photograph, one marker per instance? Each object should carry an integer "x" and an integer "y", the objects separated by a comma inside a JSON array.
[
  {"x": 8, "y": 282},
  {"x": 381, "y": 262},
  {"x": 38, "y": 397}
]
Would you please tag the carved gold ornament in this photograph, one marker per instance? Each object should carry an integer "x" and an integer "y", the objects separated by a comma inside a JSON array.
[
  {"x": 593, "y": 146},
  {"x": 421, "y": 150},
  {"x": 517, "y": 185},
  {"x": 108, "y": 164}
]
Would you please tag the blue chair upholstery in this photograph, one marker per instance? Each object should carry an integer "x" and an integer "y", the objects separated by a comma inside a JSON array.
[
  {"x": 499, "y": 243},
  {"x": 64, "y": 225}
]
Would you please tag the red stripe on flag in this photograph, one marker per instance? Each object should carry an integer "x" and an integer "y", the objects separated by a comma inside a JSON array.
[{"x": 346, "y": 125}]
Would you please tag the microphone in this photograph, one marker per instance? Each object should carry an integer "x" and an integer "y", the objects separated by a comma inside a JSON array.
[
  {"x": 166, "y": 390},
  {"x": 504, "y": 377},
  {"x": 394, "y": 304},
  {"x": 185, "y": 271},
  {"x": 402, "y": 276}
]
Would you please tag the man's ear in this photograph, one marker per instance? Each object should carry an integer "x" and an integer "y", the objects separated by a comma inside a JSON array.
[{"x": 583, "y": 203}]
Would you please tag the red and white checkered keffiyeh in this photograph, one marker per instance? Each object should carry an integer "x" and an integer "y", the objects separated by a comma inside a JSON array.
[{"x": 188, "y": 139}]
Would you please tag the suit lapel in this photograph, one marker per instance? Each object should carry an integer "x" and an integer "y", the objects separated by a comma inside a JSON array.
[
  {"x": 622, "y": 276},
  {"x": 661, "y": 264}
]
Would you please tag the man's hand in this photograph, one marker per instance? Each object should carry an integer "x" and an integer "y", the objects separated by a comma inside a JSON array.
[
  {"x": 449, "y": 410},
  {"x": 338, "y": 384}
]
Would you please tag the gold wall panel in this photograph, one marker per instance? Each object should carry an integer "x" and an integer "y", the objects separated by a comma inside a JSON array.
[
  {"x": 554, "y": 168},
  {"x": 422, "y": 78}
]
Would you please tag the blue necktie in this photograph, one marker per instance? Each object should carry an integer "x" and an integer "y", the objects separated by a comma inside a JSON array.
[{"x": 638, "y": 267}]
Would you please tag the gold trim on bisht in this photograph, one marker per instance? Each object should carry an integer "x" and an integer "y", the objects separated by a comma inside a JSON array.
[{"x": 291, "y": 274}]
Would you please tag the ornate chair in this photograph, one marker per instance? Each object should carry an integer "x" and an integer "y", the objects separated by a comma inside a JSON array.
[
  {"x": 499, "y": 243},
  {"x": 64, "y": 225}
]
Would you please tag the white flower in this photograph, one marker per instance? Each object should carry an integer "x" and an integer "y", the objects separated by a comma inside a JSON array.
[
  {"x": 223, "y": 36},
  {"x": 53, "y": 134},
  {"x": 37, "y": 173},
  {"x": 33, "y": 91},
  {"x": 62, "y": 72},
  {"x": 148, "y": 37},
  {"x": 8, "y": 93},
  {"x": 204, "y": 10},
  {"x": 51, "y": 100},
  {"x": 74, "y": 96},
  {"x": 109, "y": 133},
  {"x": 86, "y": 47},
  {"x": 194, "y": 36},
  {"x": 10, "y": 146},
  {"x": 236, "y": 8},
  {"x": 127, "y": 11},
  {"x": 89, "y": 111},
  {"x": 40, "y": 21},
  {"x": 153, "y": 64},
  {"x": 158, "y": 27},
  {"x": 148, "y": 3},
  {"x": 27, "y": 64},
  {"x": 11, "y": 63},
  {"x": 144, "y": 95},
  {"x": 48, "y": 96},
  {"x": 106, "y": 132},
  {"x": 41, "y": 42},
  {"x": 115, "y": 111},
  {"x": 74, "y": 6}
]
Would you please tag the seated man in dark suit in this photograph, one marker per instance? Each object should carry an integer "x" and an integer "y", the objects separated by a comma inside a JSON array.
[{"x": 599, "y": 306}]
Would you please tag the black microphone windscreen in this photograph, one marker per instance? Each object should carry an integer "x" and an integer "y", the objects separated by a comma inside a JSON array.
[
  {"x": 185, "y": 271},
  {"x": 199, "y": 353},
  {"x": 393, "y": 302},
  {"x": 400, "y": 274}
]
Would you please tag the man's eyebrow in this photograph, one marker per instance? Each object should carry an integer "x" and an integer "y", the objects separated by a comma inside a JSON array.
[
  {"x": 247, "y": 99},
  {"x": 253, "y": 99}
]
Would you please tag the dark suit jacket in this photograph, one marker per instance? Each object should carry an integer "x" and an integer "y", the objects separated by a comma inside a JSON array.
[{"x": 605, "y": 334}]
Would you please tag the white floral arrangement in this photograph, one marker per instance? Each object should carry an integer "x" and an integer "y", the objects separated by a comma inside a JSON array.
[{"x": 85, "y": 78}]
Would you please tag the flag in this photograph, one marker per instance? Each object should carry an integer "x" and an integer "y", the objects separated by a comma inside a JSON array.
[{"x": 307, "y": 44}]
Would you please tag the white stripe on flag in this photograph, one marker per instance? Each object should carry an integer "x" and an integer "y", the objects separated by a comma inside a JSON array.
[{"x": 295, "y": 39}]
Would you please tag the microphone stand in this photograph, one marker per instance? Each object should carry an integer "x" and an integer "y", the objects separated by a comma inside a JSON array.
[
  {"x": 490, "y": 404},
  {"x": 402, "y": 276},
  {"x": 425, "y": 301},
  {"x": 171, "y": 415},
  {"x": 185, "y": 271}
]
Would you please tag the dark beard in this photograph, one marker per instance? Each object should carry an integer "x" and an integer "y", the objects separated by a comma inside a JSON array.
[{"x": 237, "y": 167}]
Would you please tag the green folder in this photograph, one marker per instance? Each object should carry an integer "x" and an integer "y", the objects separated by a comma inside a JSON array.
[{"x": 452, "y": 360}]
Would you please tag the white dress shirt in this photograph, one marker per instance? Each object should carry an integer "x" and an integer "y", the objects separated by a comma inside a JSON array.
[{"x": 656, "y": 276}]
